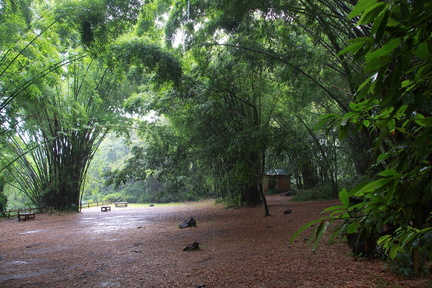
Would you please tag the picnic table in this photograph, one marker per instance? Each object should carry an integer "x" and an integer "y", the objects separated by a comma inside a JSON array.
[
  {"x": 121, "y": 204},
  {"x": 26, "y": 215}
]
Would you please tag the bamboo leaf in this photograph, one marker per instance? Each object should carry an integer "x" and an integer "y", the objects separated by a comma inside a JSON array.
[
  {"x": 343, "y": 196},
  {"x": 361, "y": 6},
  {"x": 390, "y": 172},
  {"x": 319, "y": 232},
  {"x": 304, "y": 227},
  {"x": 371, "y": 13},
  {"x": 381, "y": 56},
  {"x": 422, "y": 51},
  {"x": 352, "y": 227}
]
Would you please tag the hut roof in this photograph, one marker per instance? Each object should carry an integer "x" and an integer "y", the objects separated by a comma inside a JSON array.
[{"x": 277, "y": 172}]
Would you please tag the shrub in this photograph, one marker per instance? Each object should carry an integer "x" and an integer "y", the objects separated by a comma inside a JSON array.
[{"x": 320, "y": 192}]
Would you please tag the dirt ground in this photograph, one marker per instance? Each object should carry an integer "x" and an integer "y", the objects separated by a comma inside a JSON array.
[{"x": 143, "y": 247}]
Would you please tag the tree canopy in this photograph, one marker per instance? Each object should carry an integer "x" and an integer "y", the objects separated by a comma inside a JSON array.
[{"x": 334, "y": 92}]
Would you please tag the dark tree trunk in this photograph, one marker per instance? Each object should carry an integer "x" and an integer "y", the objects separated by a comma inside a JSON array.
[{"x": 309, "y": 174}]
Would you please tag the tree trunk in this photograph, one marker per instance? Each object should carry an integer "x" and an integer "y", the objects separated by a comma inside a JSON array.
[
  {"x": 259, "y": 184},
  {"x": 262, "y": 196},
  {"x": 310, "y": 178},
  {"x": 416, "y": 260}
]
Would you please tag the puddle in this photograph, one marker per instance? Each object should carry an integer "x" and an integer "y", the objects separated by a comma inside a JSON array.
[
  {"x": 112, "y": 283},
  {"x": 31, "y": 232},
  {"x": 112, "y": 223},
  {"x": 19, "y": 262},
  {"x": 26, "y": 275}
]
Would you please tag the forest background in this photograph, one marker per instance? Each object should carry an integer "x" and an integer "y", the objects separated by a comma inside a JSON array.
[{"x": 177, "y": 100}]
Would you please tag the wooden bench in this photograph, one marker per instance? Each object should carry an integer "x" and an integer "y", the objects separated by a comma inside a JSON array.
[
  {"x": 120, "y": 204},
  {"x": 105, "y": 208},
  {"x": 26, "y": 215}
]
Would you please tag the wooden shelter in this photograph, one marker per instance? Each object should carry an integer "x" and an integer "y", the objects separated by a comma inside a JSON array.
[{"x": 277, "y": 179}]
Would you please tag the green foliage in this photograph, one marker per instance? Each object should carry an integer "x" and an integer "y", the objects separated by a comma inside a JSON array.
[
  {"x": 98, "y": 22},
  {"x": 158, "y": 168},
  {"x": 394, "y": 103},
  {"x": 114, "y": 197},
  {"x": 401, "y": 265},
  {"x": 3, "y": 200},
  {"x": 272, "y": 192},
  {"x": 142, "y": 56},
  {"x": 298, "y": 61},
  {"x": 319, "y": 192},
  {"x": 52, "y": 133}
]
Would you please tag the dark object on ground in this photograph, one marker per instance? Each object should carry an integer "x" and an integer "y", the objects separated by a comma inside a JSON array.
[
  {"x": 288, "y": 193},
  {"x": 188, "y": 223},
  {"x": 193, "y": 246},
  {"x": 105, "y": 208},
  {"x": 201, "y": 286},
  {"x": 288, "y": 211},
  {"x": 151, "y": 205}
]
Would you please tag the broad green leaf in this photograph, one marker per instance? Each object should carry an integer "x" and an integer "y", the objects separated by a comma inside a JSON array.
[
  {"x": 422, "y": 51},
  {"x": 384, "y": 240},
  {"x": 332, "y": 208},
  {"x": 380, "y": 25},
  {"x": 402, "y": 130},
  {"x": 364, "y": 84},
  {"x": 358, "y": 207},
  {"x": 323, "y": 120},
  {"x": 371, "y": 13},
  {"x": 343, "y": 196},
  {"x": 361, "y": 6},
  {"x": 303, "y": 228},
  {"x": 389, "y": 194},
  {"x": 349, "y": 114},
  {"x": 406, "y": 83},
  {"x": 381, "y": 56},
  {"x": 375, "y": 185},
  {"x": 409, "y": 237},
  {"x": 394, "y": 250},
  {"x": 424, "y": 121},
  {"x": 390, "y": 172},
  {"x": 319, "y": 232},
  {"x": 352, "y": 48},
  {"x": 382, "y": 157},
  {"x": 391, "y": 124},
  {"x": 401, "y": 110},
  {"x": 352, "y": 227}
]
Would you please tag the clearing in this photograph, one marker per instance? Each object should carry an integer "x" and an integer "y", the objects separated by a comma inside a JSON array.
[{"x": 142, "y": 246}]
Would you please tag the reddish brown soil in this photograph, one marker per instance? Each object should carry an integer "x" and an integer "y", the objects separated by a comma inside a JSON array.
[{"x": 143, "y": 247}]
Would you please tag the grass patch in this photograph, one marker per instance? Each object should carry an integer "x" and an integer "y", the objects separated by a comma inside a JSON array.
[{"x": 317, "y": 193}]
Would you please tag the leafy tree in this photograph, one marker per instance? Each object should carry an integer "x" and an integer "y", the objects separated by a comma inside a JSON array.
[
  {"x": 284, "y": 31},
  {"x": 395, "y": 102},
  {"x": 159, "y": 168},
  {"x": 60, "y": 134},
  {"x": 3, "y": 200},
  {"x": 66, "y": 115}
]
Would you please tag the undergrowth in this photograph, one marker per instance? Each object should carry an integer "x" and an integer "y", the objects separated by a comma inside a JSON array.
[{"x": 321, "y": 192}]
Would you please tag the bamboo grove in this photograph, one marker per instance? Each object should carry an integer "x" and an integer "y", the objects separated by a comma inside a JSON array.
[{"x": 336, "y": 92}]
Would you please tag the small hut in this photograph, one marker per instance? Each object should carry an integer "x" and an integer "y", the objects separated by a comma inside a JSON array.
[{"x": 278, "y": 180}]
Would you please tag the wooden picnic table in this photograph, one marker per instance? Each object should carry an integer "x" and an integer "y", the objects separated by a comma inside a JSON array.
[
  {"x": 26, "y": 215},
  {"x": 120, "y": 204}
]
